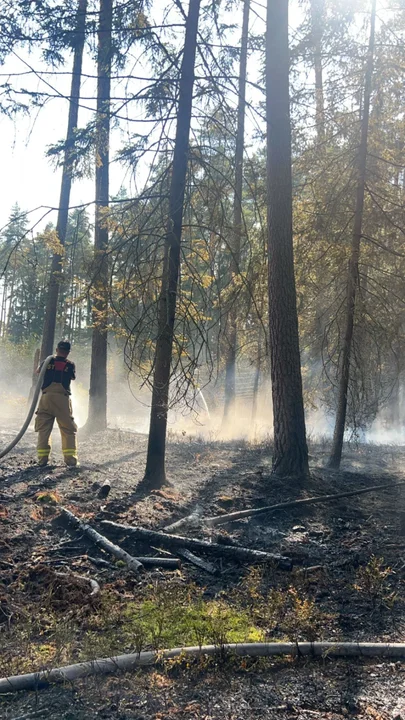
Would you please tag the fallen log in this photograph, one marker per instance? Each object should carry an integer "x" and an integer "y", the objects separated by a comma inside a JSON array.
[
  {"x": 238, "y": 515},
  {"x": 235, "y": 552},
  {"x": 197, "y": 561},
  {"x": 104, "y": 666},
  {"x": 102, "y": 541}
]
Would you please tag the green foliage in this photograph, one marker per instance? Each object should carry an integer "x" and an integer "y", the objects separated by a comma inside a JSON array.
[
  {"x": 25, "y": 263},
  {"x": 373, "y": 582},
  {"x": 286, "y": 611},
  {"x": 171, "y": 616},
  {"x": 324, "y": 183}
]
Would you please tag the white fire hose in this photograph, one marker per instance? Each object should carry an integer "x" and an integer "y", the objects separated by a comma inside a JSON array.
[{"x": 31, "y": 410}]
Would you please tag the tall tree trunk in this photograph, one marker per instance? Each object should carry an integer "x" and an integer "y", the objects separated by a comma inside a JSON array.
[
  {"x": 48, "y": 335},
  {"x": 353, "y": 272},
  {"x": 97, "y": 418},
  {"x": 79, "y": 328},
  {"x": 317, "y": 18},
  {"x": 11, "y": 310},
  {"x": 290, "y": 447},
  {"x": 155, "y": 474},
  {"x": 231, "y": 339},
  {"x": 3, "y": 313},
  {"x": 256, "y": 381}
]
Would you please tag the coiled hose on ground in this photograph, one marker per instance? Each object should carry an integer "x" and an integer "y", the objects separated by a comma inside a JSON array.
[{"x": 31, "y": 409}]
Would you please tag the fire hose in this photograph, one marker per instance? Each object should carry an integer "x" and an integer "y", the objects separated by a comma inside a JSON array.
[{"x": 31, "y": 409}]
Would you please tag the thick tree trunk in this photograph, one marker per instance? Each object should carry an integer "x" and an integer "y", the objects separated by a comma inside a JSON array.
[
  {"x": 48, "y": 335},
  {"x": 353, "y": 272},
  {"x": 290, "y": 447},
  {"x": 317, "y": 16},
  {"x": 231, "y": 340},
  {"x": 97, "y": 418},
  {"x": 155, "y": 475}
]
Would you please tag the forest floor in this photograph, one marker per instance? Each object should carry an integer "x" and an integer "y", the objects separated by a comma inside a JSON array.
[{"x": 357, "y": 592}]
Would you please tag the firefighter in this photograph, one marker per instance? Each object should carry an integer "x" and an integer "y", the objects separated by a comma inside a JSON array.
[{"x": 55, "y": 402}]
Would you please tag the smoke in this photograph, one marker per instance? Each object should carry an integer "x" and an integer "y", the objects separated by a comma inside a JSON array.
[{"x": 199, "y": 414}]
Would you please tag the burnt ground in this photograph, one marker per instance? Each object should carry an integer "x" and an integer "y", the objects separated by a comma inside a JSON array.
[{"x": 340, "y": 538}]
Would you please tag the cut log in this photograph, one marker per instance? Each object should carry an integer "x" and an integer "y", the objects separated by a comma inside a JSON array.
[
  {"x": 104, "y": 490},
  {"x": 122, "y": 663},
  {"x": 240, "y": 514},
  {"x": 102, "y": 541},
  {"x": 197, "y": 561},
  {"x": 178, "y": 541}
]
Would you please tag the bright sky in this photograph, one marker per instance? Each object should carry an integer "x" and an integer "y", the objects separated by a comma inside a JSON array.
[{"x": 26, "y": 175}]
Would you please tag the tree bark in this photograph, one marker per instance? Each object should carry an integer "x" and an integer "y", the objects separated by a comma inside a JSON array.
[
  {"x": 316, "y": 10},
  {"x": 48, "y": 334},
  {"x": 290, "y": 447},
  {"x": 155, "y": 474},
  {"x": 353, "y": 272},
  {"x": 230, "y": 369},
  {"x": 97, "y": 417}
]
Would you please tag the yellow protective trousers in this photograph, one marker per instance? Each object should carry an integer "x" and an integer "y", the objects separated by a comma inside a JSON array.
[{"x": 54, "y": 404}]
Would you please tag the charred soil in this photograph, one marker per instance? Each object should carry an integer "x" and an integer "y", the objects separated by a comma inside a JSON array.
[{"x": 353, "y": 589}]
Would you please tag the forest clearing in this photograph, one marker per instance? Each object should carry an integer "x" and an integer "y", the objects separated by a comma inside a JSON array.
[
  {"x": 332, "y": 600},
  {"x": 202, "y": 283}
]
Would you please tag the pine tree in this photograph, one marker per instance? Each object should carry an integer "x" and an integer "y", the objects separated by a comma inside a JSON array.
[
  {"x": 290, "y": 457},
  {"x": 48, "y": 335},
  {"x": 155, "y": 474},
  {"x": 97, "y": 418},
  {"x": 353, "y": 271}
]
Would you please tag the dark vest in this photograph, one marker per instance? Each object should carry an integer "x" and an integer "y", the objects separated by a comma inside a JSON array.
[{"x": 59, "y": 370}]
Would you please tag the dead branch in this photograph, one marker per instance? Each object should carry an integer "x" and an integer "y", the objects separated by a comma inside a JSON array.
[
  {"x": 104, "y": 666},
  {"x": 159, "y": 562},
  {"x": 310, "y": 569},
  {"x": 230, "y": 517},
  {"x": 178, "y": 541},
  {"x": 102, "y": 541},
  {"x": 99, "y": 562},
  {"x": 193, "y": 520},
  {"x": 197, "y": 561},
  {"x": 95, "y": 587}
]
